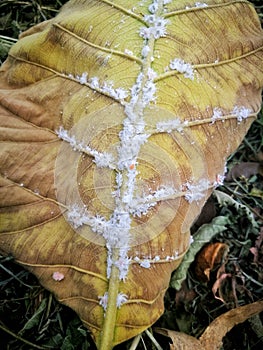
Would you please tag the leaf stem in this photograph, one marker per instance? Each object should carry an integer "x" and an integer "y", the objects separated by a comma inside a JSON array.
[{"x": 109, "y": 325}]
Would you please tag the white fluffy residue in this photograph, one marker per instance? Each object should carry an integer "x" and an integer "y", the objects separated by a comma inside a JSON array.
[
  {"x": 171, "y": 125},
  {"x": 200, "y": 4},
  {"x": 123, "y": 265},
  {"x": 195, "y": 192},
  {"x": 103, "y": 300},
  {"x": 157, "y": 26},
  {"x": 145, "y": 263},
  {"x": 182, "y": 67},
  {"x": 77, "y": 216},
  {"x": 217, "y": 114},
  {"x": 101, "y": 159},
  {"x": 140, "y": 206},
  {"x": 118, "y": 94},
  {"x": 121, "y": 299},
  {"x": 241, "y": 112}
]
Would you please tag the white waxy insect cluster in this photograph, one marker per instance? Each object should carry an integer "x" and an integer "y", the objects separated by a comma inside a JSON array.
[
  {"x": 197, "y": 5},
  {"x": 217, "y": 114},
  {"x": 116, "y": 229},
  {"x": 171, "y": 125},
  {"x": 101, "y": 159},
  {"x": 107, "y": 88},
  {"x": 241, "y": 112},
  {"x": 182, "y": 67},
  {"x": 196, "y": 192}
]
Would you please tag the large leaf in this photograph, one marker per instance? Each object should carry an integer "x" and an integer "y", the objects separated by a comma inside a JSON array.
[{"x": 116, "y": 121}]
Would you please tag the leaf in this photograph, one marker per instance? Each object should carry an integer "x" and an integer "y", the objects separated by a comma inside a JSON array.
[
  {"x": 246, "y": 169},
  {"x": 34, "y": 320},
  {"x": 256, "y": 192},
  {"x": 207, "y": 214},
  {"x": 180, "y": 340},
  {"x": 116, "y": 122},
  {"x": 212, "y": 337},
  {"x": 217, "y": 288},
  {"x": 224, "y": 199},
  {"x": 204, "y": 234},
  {"x": 208, "y": 258},
  {"x": 257, "y": 250}
]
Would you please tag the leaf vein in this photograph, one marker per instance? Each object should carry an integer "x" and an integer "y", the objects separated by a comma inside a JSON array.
[
  {"x": 210, "y": 6},
  {"x": 208, "y": 65},
  {"x": 99, "y": 47},
  {"x": 68, "y": 266}
]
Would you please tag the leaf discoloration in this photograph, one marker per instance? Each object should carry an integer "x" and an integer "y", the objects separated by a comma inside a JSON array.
[{"x": 131, "y": 134}]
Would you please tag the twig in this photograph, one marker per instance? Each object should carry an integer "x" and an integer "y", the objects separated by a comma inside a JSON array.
[
  {"x": 14, "y": 276},
  {"x": 20, "y": 338}
]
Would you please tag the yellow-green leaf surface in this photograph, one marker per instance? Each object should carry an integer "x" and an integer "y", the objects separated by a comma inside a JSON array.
[{"x": 116, "y": 121}]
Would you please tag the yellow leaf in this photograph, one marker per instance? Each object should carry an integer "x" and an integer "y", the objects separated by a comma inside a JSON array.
[{"x": 116, "y": 122}]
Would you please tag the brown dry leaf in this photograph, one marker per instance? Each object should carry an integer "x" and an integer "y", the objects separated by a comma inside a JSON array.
[
  {"x": 207, "y": 214},
  {"x": 180, "y": 341},
  {"x": 184, "y": 295},
  {"x": 211, "y": 256},
  {"x": 245, "y": 169},
  {"x": 257, "y": 250},
  {"x": 219, "y": 283},
  {"x": 212, "y": 337},
  {"x": 227, "y": 284},
  {"x": 115, "y": 128}
]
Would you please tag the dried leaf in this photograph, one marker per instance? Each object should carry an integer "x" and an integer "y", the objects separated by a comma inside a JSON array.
[
  {"x": 208, "y": 258},
  {"x": 180, "y": 341},
  {"x": 207, "y": 214},
  {"x": 220, "y": 281},
  {"x": 202, "y": 236},
  {"x": 257, "y": 251},
  {"x": 245, "y": 169},
  {"x": 116, "y": 122},
  {"x": 213, "y": 336}
]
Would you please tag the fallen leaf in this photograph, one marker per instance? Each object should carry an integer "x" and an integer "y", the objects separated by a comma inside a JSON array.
[
  {"x": 116, "y": 122},
  {"x": 180, "y": 341},
  {"x": 211, "y": 256},
  {"x": 208, "y": 213},
  {"x": 212, "y": 337},
  {"x": 221, "y": 280},
  {"x": 184, "y": 295},
  {"x": 257, "y": 250},
  {"x": 245, "y": 169},
  {"x": 201, "y": 237}
]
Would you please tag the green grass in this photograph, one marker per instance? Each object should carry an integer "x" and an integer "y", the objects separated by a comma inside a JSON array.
[{"x": 31, "y": 318}]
